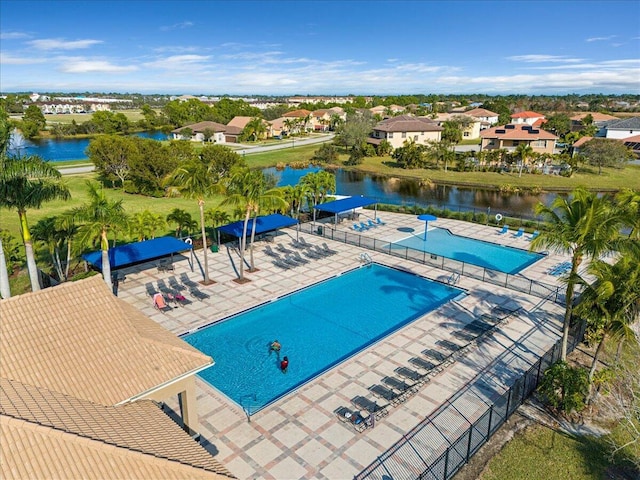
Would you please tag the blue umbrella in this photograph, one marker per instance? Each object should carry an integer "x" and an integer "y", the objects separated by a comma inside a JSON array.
[{"x": 426, "y": 218}]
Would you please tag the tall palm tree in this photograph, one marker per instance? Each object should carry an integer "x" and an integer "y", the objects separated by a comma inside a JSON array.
[
  {"x": 66, "y": 226},
  {"x": 629, "y": 202},
  {"x": 524, "y": 151},
  {"x": 249, "y": 188},
  {"x": 217, "y": 218},
  {"x": 97, "y": 218},
  {"x": 319, "y": 185},
  {"x": 583, "y": 226},
  {"x": 5, "y": 290},
  {"x": 181, "y": 218},
  {"x": 612, "y": 303},
  {"x": 255, "y": 128},
  {"x": 26, "y": 183},
  {"x": 195, "y": 180},
  {"x": 45, "y": 231}
]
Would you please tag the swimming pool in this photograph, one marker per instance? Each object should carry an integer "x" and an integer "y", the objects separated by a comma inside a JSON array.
[
  {"x": 318, "y": 327},
  {"x": 469, "y": 250}
]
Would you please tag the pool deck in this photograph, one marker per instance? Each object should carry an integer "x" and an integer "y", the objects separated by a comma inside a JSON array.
[{"x": 300, "y": 436}]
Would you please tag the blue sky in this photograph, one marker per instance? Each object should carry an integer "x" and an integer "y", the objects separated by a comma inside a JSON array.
[{"x": 337, "y": 47}]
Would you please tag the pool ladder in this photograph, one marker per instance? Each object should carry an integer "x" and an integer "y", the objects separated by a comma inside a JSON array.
[{"x": 366, "y": 258}]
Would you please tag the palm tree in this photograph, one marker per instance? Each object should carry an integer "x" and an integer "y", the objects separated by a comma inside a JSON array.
[
  {"x": 67, "y": 228},
  {"x": 217, "y": 217},
  {"x": 628, "y": 201},
  {"x": 612, "y": 303},
  {"x": 249, "y": 188},
  {"x": 319, "y": 185},
  {"x": 98, "y": 218},
  {"x": 27, "y": 183},
  {"x": 255, "y": 128},
  {"x": 583, "y": 226},
  {"x": 524, "y": 151},
  {"x": 289, "y": 123},
  {"x": 45, "y": 231},
  {"x": 195, "y": 180},
  {"x": 5, "y": 290},
  {"x": 181, "y": 218}
]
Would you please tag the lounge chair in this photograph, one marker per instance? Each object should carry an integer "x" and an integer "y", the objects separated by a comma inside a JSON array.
[
  {"x": 351, "y": 417},
  {"x": 534, "y": 235},
  {"x": 289, "y": 260},
  {"x": 299, "y": 258},
  {"x": 504, "y": 230},
  {"x": 165, "y": 265},
  {"x": 364, "y": 226},
  {"x": 269, "y": 251},
  {"x": 177, "y": 286},
  {"x": 283, "y": 249},
  {"x": 281, "y": 264},
  {"x": 319, "y": 251},
  {"x": 379, "y": 221},
  {"x": 519, "y": 233},
  {"x": 309, "y": 252},
  {"x": 296, "y": 244},
  {"x": 372, "y": 224},
  {"x": 187, "y": 282},
  {"x": 371, "y": 406},
  {"x": 151, "y": 290},
  {"x": 401, "y": 384},
  {"x": 160, "y": 303},
  {"x": 328, "y": 250},
  {"x": 387, "y": 394},
  {"x": 422, "y": 364},
  {"x": 303, "y": 242},
  {"x": 412, "y": 375},
  {"x": 357, "y": 227}
]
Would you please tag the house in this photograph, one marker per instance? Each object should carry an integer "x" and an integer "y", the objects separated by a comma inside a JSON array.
[
  {"x": 298, "y": 121},
  {"x": 81, "y": 376},
  {"x": 201, "y": 132},
  {"x": 237, "y": 124},
  {"x": 623, "y": 128},
  {"x": 397, "y": 130},
  {"x": 320, "y": 120},
  {"x": 632, "y": 143},
  {"x": 599, "y": 119},
  {"x": 508, "y": 137},
  {"x": 487, "y": 117},
  {"x": 470, "y": 133},
  {"x": 528, "y": 117}
]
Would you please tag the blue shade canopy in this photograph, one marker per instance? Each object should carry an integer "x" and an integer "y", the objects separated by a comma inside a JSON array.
[
  {"x": 266, "y": 223},
  {"x": 138, "y": 252},
  {"x": 345, "y": 204}
]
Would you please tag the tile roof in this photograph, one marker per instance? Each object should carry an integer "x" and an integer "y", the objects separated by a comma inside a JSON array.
[
  {"x": 632, "y": 123},
  {"x": 527, "y": 114},
  {"x": 518, "y": 132},
  {"x": 406, "y": 123},
  {"x": 597, "y": 116},
  {"x": 297, "y": 113},
  {"x": 50, "y": 435},
  {"x": 239, "y": 121},
  {"x": 581, "y": 141},
  {"x": 480, "y": 112},
  {"x": 200, "y": 127},
  {"x": 80, "y": 340}
]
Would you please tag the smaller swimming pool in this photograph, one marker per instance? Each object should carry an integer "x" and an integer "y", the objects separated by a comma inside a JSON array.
[
  {"x": 489, "y": 255},
  {"x": 318, "y": 327}
]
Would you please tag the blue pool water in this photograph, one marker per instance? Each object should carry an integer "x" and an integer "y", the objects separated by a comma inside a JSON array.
[
  {"x": 476, "y": 252},
  {"x": 318, "y": 327}
]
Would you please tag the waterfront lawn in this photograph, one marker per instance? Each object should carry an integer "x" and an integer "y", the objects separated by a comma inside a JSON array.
[{"x": 540, "y": 453}]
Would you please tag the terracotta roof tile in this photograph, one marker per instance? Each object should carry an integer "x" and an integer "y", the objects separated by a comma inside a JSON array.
[
  {"x": 44, "y": 341},
  {"x": 406, "y": 123},
  {"x": 527, "y": 114},
  {"x": 297, "y": 113},
  {"x": 518, "y": 132},
  {"x": 597, "y": 116},
  {"x": 480, "y": 112}
]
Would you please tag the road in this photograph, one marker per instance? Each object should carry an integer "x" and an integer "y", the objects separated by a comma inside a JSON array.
[{"x": 243, "y": 150}]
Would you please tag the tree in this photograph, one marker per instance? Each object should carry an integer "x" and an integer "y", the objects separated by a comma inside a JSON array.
[
  {"x": 97, "y": 218},
  {"x": 524, "y": 152},
  {"x": 440, "y": 151},
  {"x": 606, "y": 152},
  {"x": 410, "y": 155},
  {"x": 559, "y": 124},
  {"x": 565, "y": 387},
  {"x": 355, "y": 129},
  {"x": 319, "y": 185},
  {"x": 254, "y": 129},
  {"x": 325, "y": 154},
  {"x": 112, "y": 155},
  {"x": 194, "y": 180},
  {"x": 583, "y": 226},
  {"x": 181, "y": 219},
  {"x": 33, "y": 121},
  {"x": 26, "y": 183},
  {"x": 217, "y": 218},
  {"x": 144, "y": 225},
  {"x": 45, "y": 231},
  {"x": 611, "y": 304}
]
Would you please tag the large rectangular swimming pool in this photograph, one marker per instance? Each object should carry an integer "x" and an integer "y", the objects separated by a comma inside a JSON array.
[
  {"x": 318, "y": 327},
  {"x": 469, "y": 250}
]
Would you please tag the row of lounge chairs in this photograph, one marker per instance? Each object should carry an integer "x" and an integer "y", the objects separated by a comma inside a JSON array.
[
  {"x": 519, "y": 233},
  {"x": 361, "y": 227},
  {"x": 293, "y": 258},
  {"x": 559, "y": 269},
  {"x": 174, "y": 294}
]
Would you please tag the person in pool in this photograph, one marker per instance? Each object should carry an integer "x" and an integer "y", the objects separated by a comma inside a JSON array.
[
  {"x": 275, "y": 346},
  {"x": 284, "y": 364}
]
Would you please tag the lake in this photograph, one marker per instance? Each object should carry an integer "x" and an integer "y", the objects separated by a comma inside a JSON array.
[{"x": 61, "y": 149}]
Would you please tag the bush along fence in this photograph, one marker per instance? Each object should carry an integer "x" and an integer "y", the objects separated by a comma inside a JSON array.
[
  {"x": 439, "y": 446},
  {"x": 512, "y": 282}
]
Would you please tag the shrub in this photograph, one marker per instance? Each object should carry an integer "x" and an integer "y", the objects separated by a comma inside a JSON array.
[{"x": 565, "y": 388}]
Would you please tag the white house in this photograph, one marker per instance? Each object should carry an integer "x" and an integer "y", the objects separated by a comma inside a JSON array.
[
  {"x": 624, "y": 128},
  {"x": 397, "y": 130},
  {"x": 487, "y": 117},
  {"x": 201, "y": 132},
  {"x": 528, "y": 117}
]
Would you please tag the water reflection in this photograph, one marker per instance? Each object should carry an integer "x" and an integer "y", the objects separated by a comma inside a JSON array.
[{"x": 402, "y": 191}]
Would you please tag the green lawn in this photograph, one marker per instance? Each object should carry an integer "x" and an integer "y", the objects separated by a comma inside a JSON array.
[{"x": 539, "y": 453}]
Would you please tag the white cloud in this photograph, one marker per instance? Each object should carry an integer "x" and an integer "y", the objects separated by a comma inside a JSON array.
[
  {"x": 177, "y": 26},
  {"x": 13, "y": 35},
  {"x": 174, "y": 62},
  {"x": 80, "y": 65},
  {"x": 8, "y": 59},
  {"x": 60, "y": 44},
  {"x": 600, "y": 39},
  {"x": 543, "y": 58}
]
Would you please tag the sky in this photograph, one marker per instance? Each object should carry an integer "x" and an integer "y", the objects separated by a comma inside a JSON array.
[{"x": 320, "y": 47}]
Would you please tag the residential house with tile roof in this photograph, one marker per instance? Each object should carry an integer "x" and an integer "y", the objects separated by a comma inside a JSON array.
[
  {"x": 237, "y": 124},
  {"x": 397, "y": 130},
  {"x": 528, "y": 117},
  {"x": 622, "y": 128},
  {"x": 81, "y": 376},
  {"x": 487, "y": 117},
  {"x": 471, "y": 132},
  {"x": 207, "y": 131},
  {"x": 297, "y": 121},
  {"x": 508, "y": 137}
]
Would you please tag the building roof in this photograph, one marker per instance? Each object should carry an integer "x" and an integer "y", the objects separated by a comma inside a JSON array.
[
  {"x": 50, "y": 435},
  {"x": 80, "y": 340},
  {"x": 597, "y": 116},
  {"x": 632, "y": 123},
  {"x": 297, "y": 113},
  {"x": 200, "y": 127},
  {"x": 581, "y": 141},
  {"x": 527, "y": 114},
  {"x": 239, "y": 121},
  {"x": 517, "y": 132},
  {"x": 480, "y": 112},
  {"x": 406, "y": 123}
]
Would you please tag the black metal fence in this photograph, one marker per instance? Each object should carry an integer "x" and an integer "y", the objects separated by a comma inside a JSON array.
[
  {"x": 512, "y": 282},
  {"x": 444, "y": 442}
]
